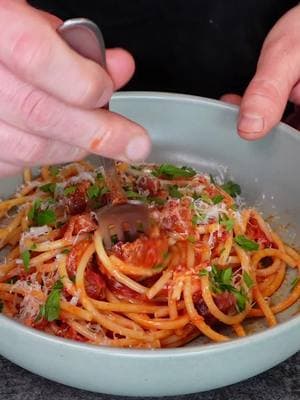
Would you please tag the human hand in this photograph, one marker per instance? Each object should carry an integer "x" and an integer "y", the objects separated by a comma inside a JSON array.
[
  {"x": 50, "y": 95},
  {"x": 277, "y": 80}
]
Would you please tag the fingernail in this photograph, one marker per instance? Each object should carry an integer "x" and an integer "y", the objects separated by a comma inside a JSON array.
[
  {"x": 251, "y": 123},
  {"x": 138, "y": 148}
]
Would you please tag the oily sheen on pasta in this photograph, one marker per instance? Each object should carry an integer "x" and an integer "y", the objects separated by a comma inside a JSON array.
[{"x": 206, "y": 263}]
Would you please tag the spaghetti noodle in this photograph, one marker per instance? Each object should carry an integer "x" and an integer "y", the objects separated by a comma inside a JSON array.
[{"x": 206, "y": 263}]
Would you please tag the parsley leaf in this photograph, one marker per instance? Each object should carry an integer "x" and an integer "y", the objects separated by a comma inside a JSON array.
[
  {"x": 203, "y": 272},
  {"x": 205, "y": 197},
  {"x": 191, "y": 239},
  {"x": 197, "y": 219},
  {"x": 228, "y": 223},
  {"x": 70, "y": 190},
  {"x": 54, "y": 170},
  {"x": 248, "y": 280},
  {"x": 36, "y": 205},
  {"x": 45, "y": 217},
  {"x": 131, "y": 194},
  {"x": 51, "y": 309},
  {"x": 246, "y": 243},
  {"x": 232, "y": 188},
  {"x": 172, "y": 171},
  {"x": 295, "y": 282},
  {"x": 217, "y": 199},
  {"x": 41, "y": 217},
  {"x": 93, "y": 192},
  {"x": 26, "y": 259},
  {"x": 48, "y": 187},
  {"x": 221, "y": 281},
  {"x": 65, "y": 251},
  {"x": 241, "y": 299},
  {"x": 157, "y": 200},
  {"x": 174, "y": 192}
]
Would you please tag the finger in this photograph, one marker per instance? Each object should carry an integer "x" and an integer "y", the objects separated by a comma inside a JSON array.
[
  {"x": 23, "y": 149},
  {"x": 53, "y": 20},
  {"x": 277, "y": 72},
  {"x": 120, "y": 65},
  {"x": 231, "y": 98},
  {"x": 7, "y": 169},
  {"x": 96, "y": 131},
  {"x": 295, "y": 94},
  {"x": 33, "y": 50}
]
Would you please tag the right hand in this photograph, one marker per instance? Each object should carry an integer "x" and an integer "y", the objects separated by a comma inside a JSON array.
[{"x": 50, "y": 96}]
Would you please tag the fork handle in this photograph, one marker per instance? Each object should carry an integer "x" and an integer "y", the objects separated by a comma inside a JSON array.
[{"x": 84, "y": 36}]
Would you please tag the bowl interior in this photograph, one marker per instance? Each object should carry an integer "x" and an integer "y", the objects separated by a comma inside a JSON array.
[{"x": 201, "y": 133}]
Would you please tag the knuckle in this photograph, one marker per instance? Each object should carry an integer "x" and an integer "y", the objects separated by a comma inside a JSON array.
[
  {"x": 36, "y": 110},
  {"x": 32, "y": 152},
  {"x": 97, "y": 86},
  {"x": 30, "y": 53},
  {"x": 265, "y": 88}
]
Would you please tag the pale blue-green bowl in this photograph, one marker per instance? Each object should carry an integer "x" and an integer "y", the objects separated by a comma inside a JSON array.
[{"x": 199, "y": 132}]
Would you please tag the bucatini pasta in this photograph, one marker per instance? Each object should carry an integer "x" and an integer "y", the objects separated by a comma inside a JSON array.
[{"x": 206, "y": 263}]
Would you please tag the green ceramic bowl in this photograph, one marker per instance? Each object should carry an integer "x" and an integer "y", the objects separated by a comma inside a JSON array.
[{"x": 201, "y": 133}]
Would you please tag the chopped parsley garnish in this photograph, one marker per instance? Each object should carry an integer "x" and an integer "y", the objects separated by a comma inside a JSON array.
[
  {"x": 70, "y": 190},
  {"x": 99, "y": 176},
  {"x": 203, "y": 272},
  {"x": 197, "y": 219},
  {"x": 32, "y": 212},
  {"x": 191, "y": 239},
  {"x": 160, "y": 267},
  {"x": 234, "y": 207},
  {"x": 41, "y": 217},
  {"x": 48, "y": 187},
  {"x": 65, "y": 251},
  {"x": 241, "y": 299},
  {"x": 54, "y": 170},
  {"x": 295, "y": 282},
  {"x": 221, "y": 281},
  {"x": 227, "y": 222},
  {"x": 174, "y": 192},
  {"x": 157, "y": 200},
  {"x": 245, "y": 243},
  {"x": 1, "y": 306},
  {"x": 33, "y": 247},
  {"x": 131, "y": 194},
  {"x": 114, "y": 239},
  {"x": 26, "y": 259},
  {"x": 248, "y": 280},
  {"x": 51, "y": 309},
  {"x": 217, "y": 199},
  {"x": 232, "y": 188},
  {"x": 205, "y": 197},
  {"x": 45, "y": 217},
  {"x": 95, "y": 191},
  {"x": 172, "y": 171}
]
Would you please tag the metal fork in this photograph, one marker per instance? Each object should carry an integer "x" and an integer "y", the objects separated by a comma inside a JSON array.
[{"x": 121, "y": 220}]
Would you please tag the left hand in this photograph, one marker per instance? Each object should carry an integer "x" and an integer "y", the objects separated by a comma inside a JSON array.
[{"x": 277, "y": 80}]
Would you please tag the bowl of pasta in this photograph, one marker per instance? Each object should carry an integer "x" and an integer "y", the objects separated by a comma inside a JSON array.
[{"x": 213, "y": 283}]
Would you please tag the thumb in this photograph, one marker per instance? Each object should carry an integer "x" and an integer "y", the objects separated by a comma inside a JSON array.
[{"x": 278, "y": 71}]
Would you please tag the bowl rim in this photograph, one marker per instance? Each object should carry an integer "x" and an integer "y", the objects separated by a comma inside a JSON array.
[
  {"x": 203, "y": 349},
  {"x": 233, "y": 344},
  {"x": 150, "y": 95}
]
